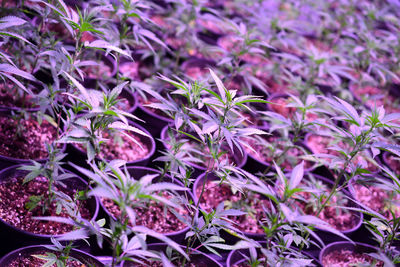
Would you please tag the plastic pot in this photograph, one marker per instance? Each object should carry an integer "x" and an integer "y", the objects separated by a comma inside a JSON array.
[
  {"x": 79, "y": 156},
  {"x": 237, "y": 257},
  {"x": 240, "y": 159},
  {"x": 227, "y": 236},
  {"x": 198, "y": 258},
  {"x": 17, "y": 237},
  {"x": 137, "y": 172},
  {"x": 345, "y": 245},
  {"x": 84, "y": 257},
  {"x": 328, "y": 237}
]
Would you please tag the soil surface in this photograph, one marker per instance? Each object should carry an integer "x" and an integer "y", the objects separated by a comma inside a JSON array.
[
  {"x": 338, "y": 218},
  {"x": 253, "y": 204},
  {"x": 11, "y": 98},
  {"x": 394, "y": 163},
  {"x": 102, "y": 71},
  {"x": 25, "y": 139},
  {"x": 263, "y": 152},
  {"x": 347, "y": 258},
  {"x": 121, "y": 147},
  {"x": 14, "y": 195},
  {"x": 320, "y": 144},
  {"x": 130, "y": 70},
  {"x": 152, "y": 215},
  {"x": 378, "y": 200}
]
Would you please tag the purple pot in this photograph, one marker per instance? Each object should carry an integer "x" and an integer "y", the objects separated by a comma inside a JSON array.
[
  {"x": 17, "y": 237},
  {"x": 138, "y": 172},
  {"x": 197, "y": 257},
  {"x": 237, "y": 257},
  {"x": 356, "y": 247},
  {"x": 84, "y": 257},
  {"x": 239, "y": 158},
  {"x": 78, "y": 155}
]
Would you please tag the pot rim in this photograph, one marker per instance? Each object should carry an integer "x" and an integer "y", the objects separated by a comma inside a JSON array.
[{"x": 19, "y": 251}]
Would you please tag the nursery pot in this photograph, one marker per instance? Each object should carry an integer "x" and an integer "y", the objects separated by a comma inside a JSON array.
[
  {"x": 237, "y": 257},
  {"x": 224, "y": 234},
  {"x": 240, "y": 157},
  {"x": 20, "y": 253},
  {"x": 16, "y": 236},
  {"x": 328, "y": 237},
  {"x": 345, "y": 245},
  {"x": 198, "y": 258},
  {"x": 79, "y": 156},
  {"x": 137, "y": 172}
]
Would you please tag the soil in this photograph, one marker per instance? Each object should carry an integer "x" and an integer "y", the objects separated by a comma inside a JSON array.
[
  {"x": 196, "y": 72},
  {"x": 372, "y": 95},
  {"x": 10, "y": 98},
  {"x": 14, "y": 195},
  {"x": 394, "y": 163},
  {"x": 264, "y": 152},
  {"x": 25, "y": 138},
  {"x": 102, "y": 71},
  {"x": 378, "y": 200},
  {"x": 347, "y": 258},
  {"x": 24, "y": 260},
  {"x": 130, "y": 70},
  {"x": 254, "y": 204},
  {"x": 319, "y": 145},
  {"x": 121, "y": 147},
  {"x": 338, "y": 218},
  {"x": 152, "y": 215}
]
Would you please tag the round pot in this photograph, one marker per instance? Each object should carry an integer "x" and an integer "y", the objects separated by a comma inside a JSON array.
[
  {"x": 225, "y": 235},
  {"x": 199, "y": 259},
  {"x": 239, "y": 158},
  {"x": 152, "y": 121},
  {"x": 6, "y": 161},
  {"x": 328, "y": 237},
  {"x": 78, "y": 155},
  {"x": 237, "y": 257},
  {"x": 138, "y": 172},
  {"x": 17, "y": 237},
  {"x": 326, "y": 168},
  {"x": 355, "y": 247},
  {"x": 255, "y": 164},
  {"x": 84, "y": 257}
]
